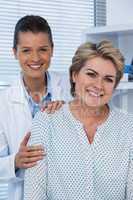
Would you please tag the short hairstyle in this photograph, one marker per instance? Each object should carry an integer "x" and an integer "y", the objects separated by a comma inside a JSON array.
[
  {"x": 32, "y": 23},
  {"x": 88, "y": 50}
]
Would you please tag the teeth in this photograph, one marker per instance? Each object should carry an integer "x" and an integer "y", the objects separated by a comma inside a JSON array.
[
  {"x": 94, "y": 94},
  {"x": 35, "y": 66}
]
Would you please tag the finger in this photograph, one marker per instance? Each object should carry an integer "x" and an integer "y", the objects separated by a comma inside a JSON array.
[
  {"x": 29, "y": 165},
  {"x": 32, "y": 159},
  {"x": 43, "y": 107},
  {"x": 36, "y": 153},
  {"x": 53, "y": 107},
  {"x": 21, "y": 159},
  {"x": 59, "y": 105},
  {"x": 49, "y": 107},
  {"x": 26, "y": 139},
  {"x": 35, "y": 148},
  {"x": 26, "y": 149},
  {"x": 28, "y": 154},
  {"x": 32, "y": 154}
]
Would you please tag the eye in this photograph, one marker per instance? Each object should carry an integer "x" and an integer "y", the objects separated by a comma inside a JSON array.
[
  {"x": 109, "y": 80},
  {"x": 44, "y": 49},
  {"x": 25, "y": 50},
  {"x": 91, "y": 74}
]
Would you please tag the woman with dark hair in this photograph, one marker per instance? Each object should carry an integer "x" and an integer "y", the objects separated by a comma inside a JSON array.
[{"x": 36, "y": 87}]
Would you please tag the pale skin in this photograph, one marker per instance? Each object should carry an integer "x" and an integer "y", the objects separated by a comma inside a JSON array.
[
  {"x": 34, "y": 52},
  {"x": 94, "y": 86}
]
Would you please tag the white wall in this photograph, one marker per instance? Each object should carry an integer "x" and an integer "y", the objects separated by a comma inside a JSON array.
[{"x": 119, "y": 12}]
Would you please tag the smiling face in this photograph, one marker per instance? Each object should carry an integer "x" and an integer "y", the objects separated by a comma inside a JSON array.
[
  {"x": 95, "y": 82},
  {"x": 34, "y": 53}
]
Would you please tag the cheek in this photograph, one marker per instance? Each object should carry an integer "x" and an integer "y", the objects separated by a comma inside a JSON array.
[
  {"x": 109, "y": 90},
  {"x": 21, "y": 56},
  {"x": 21, "y": 60},
  {"x": 79, "y": 88},
  {"x": 46, "y": 56}
]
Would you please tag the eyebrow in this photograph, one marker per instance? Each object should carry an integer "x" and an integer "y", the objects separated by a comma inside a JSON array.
[
  {"x": 40, "y": 46},
  {"x": 107, "y": 75},
  {"x": 27, "y": 47},
  {"x": 44, "y": 46}
]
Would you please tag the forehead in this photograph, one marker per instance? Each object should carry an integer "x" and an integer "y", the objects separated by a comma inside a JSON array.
[
  {"x": 100, "y": 65},
  {"x": 30, "y": 37}
]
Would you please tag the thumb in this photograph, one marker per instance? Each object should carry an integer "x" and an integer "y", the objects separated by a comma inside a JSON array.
[{"x": 26, "y": 139}]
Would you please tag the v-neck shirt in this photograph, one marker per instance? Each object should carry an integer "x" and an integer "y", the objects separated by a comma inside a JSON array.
[{"x": 74, "y": 169}]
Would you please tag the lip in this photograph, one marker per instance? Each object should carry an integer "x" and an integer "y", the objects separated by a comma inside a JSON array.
[
  {"x": 35, "y": 66},
  {"x": 94, "y": 93}
]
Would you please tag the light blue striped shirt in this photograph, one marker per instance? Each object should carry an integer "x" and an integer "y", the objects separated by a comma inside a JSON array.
[{"x": 35, "y": 107}]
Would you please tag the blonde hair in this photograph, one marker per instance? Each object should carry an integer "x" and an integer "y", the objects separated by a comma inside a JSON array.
[{"x": 88, "y": 50}]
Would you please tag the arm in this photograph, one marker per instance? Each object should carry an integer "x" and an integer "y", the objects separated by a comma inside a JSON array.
[
  {"x": 10, "y": 164},
  {"x": 129, "y": 188},
  {"x": 28, "y": 156},
  {"x": 7, "y": 165},
  {"x": 36, "y": 177}
]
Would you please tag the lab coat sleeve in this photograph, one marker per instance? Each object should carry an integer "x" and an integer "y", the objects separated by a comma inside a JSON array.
[
  {"x": 35, "y": 178},
  {"x": 7, "y": 162}
]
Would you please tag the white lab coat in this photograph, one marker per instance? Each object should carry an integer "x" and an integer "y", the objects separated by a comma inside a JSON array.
[{"x": 15, "y": 122}]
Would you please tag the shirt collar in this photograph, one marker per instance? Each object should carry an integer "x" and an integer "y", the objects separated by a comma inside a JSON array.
[
  {"x": 35, "y": 107},
  {"x": 49, "y": 88}
]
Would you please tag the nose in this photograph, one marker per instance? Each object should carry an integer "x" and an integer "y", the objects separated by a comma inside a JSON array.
[
  {"x": 35, "y": 56},
  {"x": 99, "y": 82}
]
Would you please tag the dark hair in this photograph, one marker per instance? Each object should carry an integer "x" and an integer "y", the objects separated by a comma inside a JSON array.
[
  {"x": 32, "y": 23},
  {"x": 88, "y": 50}
]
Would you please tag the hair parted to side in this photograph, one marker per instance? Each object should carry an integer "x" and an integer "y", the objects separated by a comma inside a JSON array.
[
  {"x": 88, "y": 50},
  {"x": 33, "y": 23}
]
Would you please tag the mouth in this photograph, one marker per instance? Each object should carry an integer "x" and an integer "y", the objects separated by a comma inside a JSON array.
[
  {"x": 35, "y": 66},
  {"x": 95, "y": 93}
]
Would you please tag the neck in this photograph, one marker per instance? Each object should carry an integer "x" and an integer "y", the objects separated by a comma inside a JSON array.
[
  {"x": 36, "y": 88},
  {"x": 89, "y": 114}
]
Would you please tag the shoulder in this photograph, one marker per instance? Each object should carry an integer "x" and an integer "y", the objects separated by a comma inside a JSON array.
[
  {"x": 122, "y": 122},
  {"x": 122, "y": 117},
  {"x": 14, "y": 91},
  {"x": 59, "y": 76},
  {"x": 44, "y": 119},
  {"x": 43, "y": 126}
]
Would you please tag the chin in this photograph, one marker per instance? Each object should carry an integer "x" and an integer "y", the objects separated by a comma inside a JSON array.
[
  {"x": 93, "y": 105},
  {"x": 36, "y": 74}
]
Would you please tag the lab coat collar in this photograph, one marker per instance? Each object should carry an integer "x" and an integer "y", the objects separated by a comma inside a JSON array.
[{"x": 17, "y": 93}]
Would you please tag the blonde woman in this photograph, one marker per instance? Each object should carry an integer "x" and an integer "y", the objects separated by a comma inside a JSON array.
[{"x": 88, "y": 144}]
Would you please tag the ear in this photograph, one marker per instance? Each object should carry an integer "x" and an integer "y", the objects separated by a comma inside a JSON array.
[
  {"x": 15, "y": 52},
  {"x": 52, "y": 50},
  {"x": 74, "y": 77}
]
